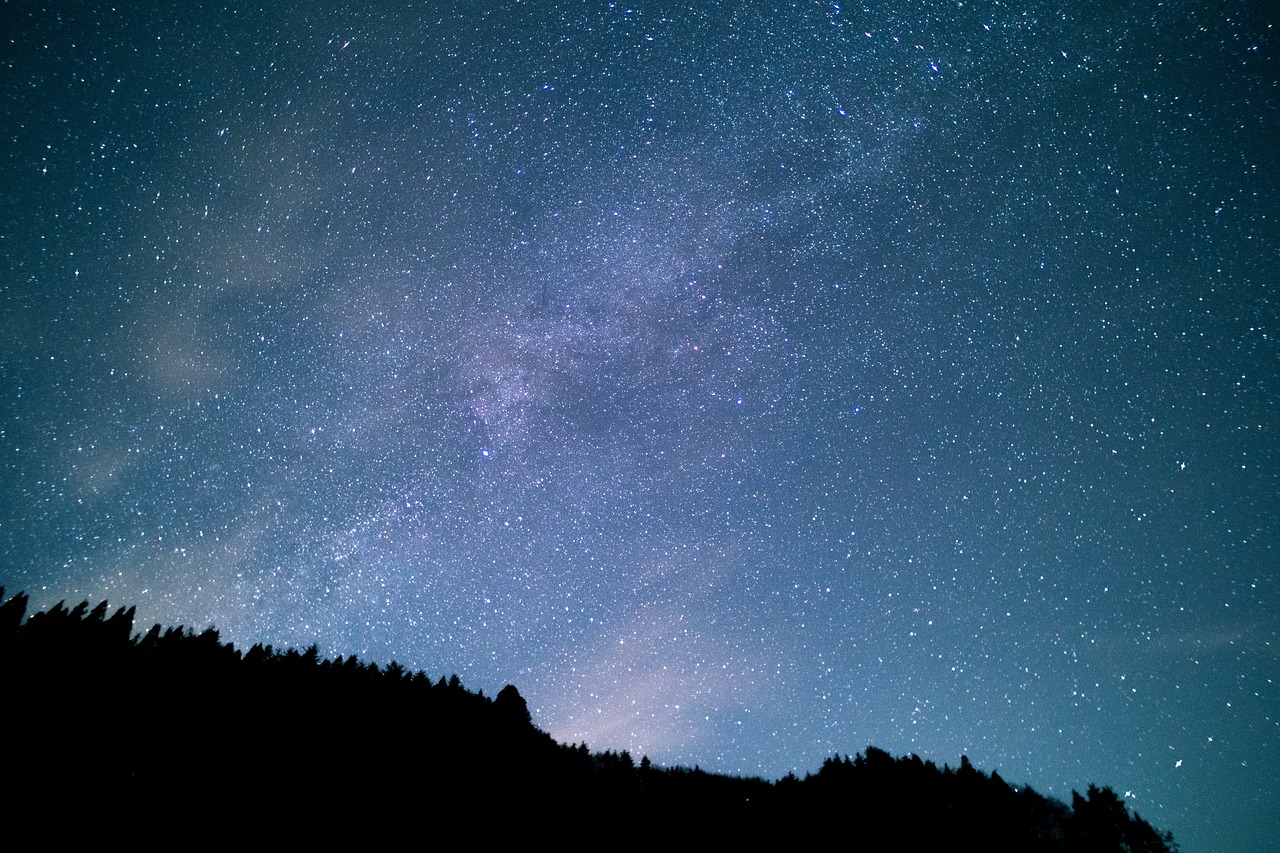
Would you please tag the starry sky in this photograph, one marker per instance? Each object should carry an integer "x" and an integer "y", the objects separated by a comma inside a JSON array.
[{"x": 746, "y": 382}]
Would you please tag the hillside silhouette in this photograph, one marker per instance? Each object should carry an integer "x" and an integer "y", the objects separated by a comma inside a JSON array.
[{"x": 178, "y": 736}]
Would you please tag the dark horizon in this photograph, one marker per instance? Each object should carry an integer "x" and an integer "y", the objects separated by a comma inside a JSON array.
[{"x": 158, "y": 701}]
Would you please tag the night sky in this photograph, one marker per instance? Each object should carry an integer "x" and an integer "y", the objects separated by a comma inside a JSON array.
[{"x": 745, "y": 382}]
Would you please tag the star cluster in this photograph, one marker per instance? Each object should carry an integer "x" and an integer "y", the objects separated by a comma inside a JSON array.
[{"x": 746, "y": 382}]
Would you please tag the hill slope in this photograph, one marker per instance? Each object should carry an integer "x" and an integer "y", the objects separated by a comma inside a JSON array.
[{"x": 174, "y": 730}]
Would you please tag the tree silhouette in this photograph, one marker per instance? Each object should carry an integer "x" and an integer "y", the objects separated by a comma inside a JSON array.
[{"x": 184, "y": 730}]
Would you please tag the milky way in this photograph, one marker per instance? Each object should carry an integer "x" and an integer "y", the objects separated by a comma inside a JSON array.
[{"x": 745, "y": 382}]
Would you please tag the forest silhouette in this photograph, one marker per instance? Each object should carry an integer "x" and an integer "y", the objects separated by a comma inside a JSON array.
[{"x": 180, "y": 737}]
